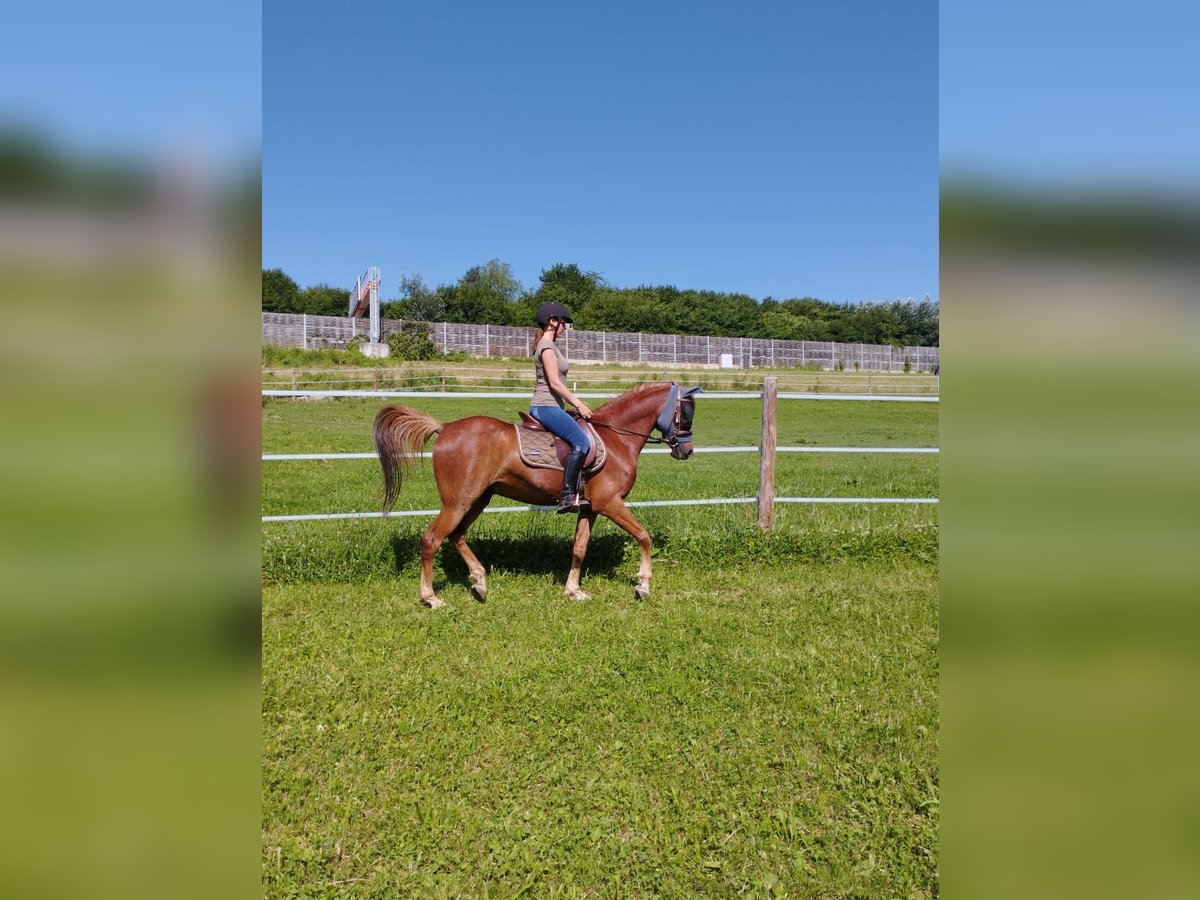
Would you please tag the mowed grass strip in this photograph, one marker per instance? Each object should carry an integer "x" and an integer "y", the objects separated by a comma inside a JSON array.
[
  {"x": 764, "y": 723},
  {"x": 341, "y": 370}
]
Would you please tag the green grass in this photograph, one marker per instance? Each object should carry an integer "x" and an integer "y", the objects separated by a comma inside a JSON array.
[{"x": 764, "y": 724}]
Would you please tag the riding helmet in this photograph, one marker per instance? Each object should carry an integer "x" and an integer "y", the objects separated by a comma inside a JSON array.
[{"x": 552, "y": 310}]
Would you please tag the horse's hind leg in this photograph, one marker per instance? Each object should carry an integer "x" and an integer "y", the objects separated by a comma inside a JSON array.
[
  {"x": 447, "y": 520},
  {"x": 459, "y": 537}
]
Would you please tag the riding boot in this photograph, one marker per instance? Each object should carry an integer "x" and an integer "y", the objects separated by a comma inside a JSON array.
[
  {"x": 568, "y": 500},
  {"x": 583, "y": 501}
]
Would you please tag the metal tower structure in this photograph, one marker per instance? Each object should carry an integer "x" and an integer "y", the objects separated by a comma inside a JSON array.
[{"x": 365, "y": 298}]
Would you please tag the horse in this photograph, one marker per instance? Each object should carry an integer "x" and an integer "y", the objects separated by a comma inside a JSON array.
[{"x": 478, "y": 457}]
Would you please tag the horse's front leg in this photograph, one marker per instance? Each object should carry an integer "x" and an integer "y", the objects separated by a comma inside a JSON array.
[
  {"x": 619, "y": 513},
  {"x": 583, "y": 533}
]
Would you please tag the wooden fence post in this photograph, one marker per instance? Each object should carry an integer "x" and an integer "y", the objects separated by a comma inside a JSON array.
[{"x": 766, "y": 469}]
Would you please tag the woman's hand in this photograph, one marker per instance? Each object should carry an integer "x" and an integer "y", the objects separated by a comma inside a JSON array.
[{"x": 582, "y": 409}]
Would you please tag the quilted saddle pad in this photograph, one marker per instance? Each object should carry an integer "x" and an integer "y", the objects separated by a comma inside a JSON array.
[{"x": 543, "y": 450}]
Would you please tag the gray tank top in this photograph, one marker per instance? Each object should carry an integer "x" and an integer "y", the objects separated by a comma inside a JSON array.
[{"x": 542, "y": 395}]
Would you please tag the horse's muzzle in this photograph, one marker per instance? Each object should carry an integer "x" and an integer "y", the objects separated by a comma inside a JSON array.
[{"x": 682, "y": 450}]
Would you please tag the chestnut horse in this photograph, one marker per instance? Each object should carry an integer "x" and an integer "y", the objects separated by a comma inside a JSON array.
[{"x": 477, "y": 457}]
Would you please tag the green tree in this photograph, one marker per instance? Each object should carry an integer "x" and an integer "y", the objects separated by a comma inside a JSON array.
[
  {"x": 569, "y": 285},
  {"x": 279, "y": 292},
  {"x": 787, "y": 324},
  {"x": 926, "y": 325},
  {"x": 815, "y": 320},
  {"x": 411, "y": 341},
  {"x": 710, "y": 312},
  {"x": 524, "y": 311},
  {"x": 627, "y": 309},
  {"x": 872, "y": 323},
  {"x": 324, "y": 300},
  {"x": 486, "y": 294},
  {"x": 420, "y": 301},
  {"x": 779, "y": 325}
]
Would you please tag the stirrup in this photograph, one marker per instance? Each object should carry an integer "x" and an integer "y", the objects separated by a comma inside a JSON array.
[{"x": 568, "y": 502}]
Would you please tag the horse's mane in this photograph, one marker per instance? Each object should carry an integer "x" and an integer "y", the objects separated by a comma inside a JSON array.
[{"x": 629, "y": 398}]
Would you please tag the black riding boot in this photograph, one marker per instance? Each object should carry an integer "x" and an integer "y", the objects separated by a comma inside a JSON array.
[{"x": 569, "y": 500}]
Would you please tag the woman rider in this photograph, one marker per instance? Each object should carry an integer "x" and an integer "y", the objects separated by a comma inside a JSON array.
[{"x": 550, "y": 367}]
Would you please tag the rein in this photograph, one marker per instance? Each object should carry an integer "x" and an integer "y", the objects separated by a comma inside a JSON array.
[
  {"x": 650, "y": 439},
  {"x": 668, "y": 426}
]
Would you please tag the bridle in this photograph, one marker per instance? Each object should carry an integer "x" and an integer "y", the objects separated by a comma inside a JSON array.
[{"x": 669, "y": 425}]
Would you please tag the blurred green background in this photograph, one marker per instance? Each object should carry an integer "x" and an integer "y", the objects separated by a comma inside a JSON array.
[
  {"x": 129, "y": 542},
  {"x": 1069, "y": 580}
]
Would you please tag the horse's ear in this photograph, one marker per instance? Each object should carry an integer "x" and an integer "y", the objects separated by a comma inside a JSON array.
[{"x": 687, "y": 392}]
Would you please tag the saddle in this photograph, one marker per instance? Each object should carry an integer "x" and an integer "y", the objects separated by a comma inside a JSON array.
[{"x": 543, "y": 450}]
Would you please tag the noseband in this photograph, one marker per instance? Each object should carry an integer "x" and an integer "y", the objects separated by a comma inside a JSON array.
[{"x": 670, "y": 418}]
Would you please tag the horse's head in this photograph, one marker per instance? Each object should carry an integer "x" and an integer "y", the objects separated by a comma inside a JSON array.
[{"x": 675, "y": 420}]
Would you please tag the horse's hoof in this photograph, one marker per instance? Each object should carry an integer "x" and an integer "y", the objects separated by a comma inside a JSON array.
[
  {"x": 578, "y": 595},
  {"x": 434, "y": 602},
  {"x": 480, "y": 589},
  {"x": 642, "y": 591}
]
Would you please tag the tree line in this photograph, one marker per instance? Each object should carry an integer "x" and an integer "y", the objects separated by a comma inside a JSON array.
[{"x": 490, "y": 294}]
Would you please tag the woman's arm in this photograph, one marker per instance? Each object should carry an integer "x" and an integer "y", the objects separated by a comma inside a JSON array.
[{"x": 550, "y": 364}]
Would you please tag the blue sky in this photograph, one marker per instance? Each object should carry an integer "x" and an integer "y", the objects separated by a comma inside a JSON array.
[
  {"x": 1072, "y": 95},
  {"x": 782, "y": 149},
  {"x": 137, "y": 78}
]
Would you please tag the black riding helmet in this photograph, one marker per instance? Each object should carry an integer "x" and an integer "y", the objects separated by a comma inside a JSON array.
[{"x": 550, "y": 310}]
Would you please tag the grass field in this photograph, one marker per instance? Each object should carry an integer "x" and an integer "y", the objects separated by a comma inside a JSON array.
[{"x": 765, "y": 724}]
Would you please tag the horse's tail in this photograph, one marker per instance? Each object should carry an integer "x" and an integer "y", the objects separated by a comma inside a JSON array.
[{"x": 400, "y": 436}]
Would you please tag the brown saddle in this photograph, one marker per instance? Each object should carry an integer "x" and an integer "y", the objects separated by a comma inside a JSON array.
[{"x": 543, "y": 450}]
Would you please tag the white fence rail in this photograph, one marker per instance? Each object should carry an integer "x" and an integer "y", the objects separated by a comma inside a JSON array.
[
  {"x": 280, "y": 457},
  {"x": 489, "y": 395}
]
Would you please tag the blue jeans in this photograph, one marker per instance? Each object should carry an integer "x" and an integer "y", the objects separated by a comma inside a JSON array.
[{"x": 559, "y": 422}]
